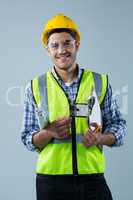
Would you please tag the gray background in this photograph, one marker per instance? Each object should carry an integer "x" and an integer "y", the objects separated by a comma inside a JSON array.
[{"x": 106, "y": 46}]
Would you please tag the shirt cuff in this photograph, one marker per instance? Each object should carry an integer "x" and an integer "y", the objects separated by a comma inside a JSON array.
[
  {"x": 118, "y": 134},
  {"x": 31, "y": 146}
]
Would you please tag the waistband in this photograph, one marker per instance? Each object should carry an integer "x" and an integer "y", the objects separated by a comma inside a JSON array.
[{"x": 83, "y": 177}]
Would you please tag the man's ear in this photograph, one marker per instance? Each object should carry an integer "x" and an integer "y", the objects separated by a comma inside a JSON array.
[
  {"x": 47, "y": 49},
  {"x": 77, "y": 44}
]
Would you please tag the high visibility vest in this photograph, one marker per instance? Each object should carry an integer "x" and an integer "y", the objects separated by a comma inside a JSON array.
[{"x": 68, "y": 156}]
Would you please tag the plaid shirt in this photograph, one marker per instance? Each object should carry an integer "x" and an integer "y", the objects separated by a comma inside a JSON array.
[{"x": 111, "y": 116}]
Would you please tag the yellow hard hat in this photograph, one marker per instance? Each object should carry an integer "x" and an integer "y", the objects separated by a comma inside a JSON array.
[{"x": 57, "y": 22}]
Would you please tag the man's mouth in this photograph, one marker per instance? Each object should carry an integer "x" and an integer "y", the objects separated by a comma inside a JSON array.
[{"x": 64, "y": 56}]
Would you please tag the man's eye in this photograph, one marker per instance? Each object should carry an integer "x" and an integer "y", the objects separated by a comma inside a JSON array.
[
  {"x": 54, "y": 46},
  {"x": 67, "y": 44}
]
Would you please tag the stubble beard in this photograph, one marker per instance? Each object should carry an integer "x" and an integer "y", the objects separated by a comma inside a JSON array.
[{"x": 66, "y": 67}]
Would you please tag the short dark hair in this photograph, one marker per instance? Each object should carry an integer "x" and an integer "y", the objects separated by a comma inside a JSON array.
[{"x": 60, "y": 30}]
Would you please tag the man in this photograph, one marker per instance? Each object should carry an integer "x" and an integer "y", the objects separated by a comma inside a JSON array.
[{"x": 69, "y": 114}]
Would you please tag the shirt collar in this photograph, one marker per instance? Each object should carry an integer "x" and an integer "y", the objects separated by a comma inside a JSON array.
[{"x": 60, "y": 80}]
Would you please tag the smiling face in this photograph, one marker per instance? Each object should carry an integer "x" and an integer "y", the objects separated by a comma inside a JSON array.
[{"x": 62, "y": 48}]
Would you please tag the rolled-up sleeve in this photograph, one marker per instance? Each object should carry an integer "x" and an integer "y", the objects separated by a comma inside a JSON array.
[
  {"x": 30, "y": 124},
  {"x": 113, "y": 121}
]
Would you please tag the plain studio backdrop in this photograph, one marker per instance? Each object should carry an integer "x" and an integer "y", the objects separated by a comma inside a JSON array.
[{"x": 106, "y": 47}]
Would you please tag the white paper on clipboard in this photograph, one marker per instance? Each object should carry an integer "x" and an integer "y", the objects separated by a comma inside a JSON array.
[{"x": 95, "y": 115}]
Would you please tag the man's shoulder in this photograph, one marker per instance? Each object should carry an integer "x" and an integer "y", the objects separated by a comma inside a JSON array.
[
  {"x": 96, "y": 75},
  {"x": 39, "y": 76},
  {"x": 94, "y": 72}
]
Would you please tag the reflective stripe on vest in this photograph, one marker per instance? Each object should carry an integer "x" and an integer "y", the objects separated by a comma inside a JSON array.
[
  {"x": 56, "y": 157},
  {"x": 39, "y": 89},
  {"x": 100, "y": 85}
]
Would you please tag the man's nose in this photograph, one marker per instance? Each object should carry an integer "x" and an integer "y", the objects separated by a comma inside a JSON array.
[{"x": 61, "y": 49}]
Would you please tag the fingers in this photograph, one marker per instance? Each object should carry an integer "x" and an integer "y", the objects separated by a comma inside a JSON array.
[
  {"x": 61, "y": 128},
  {"x": 63, "y": 132},
  {"x": 95, "y": 127},
  {"x": 63, "y": 135},
  {"x": 89, "y": 140},
  {"x": 63, "y": 121}
]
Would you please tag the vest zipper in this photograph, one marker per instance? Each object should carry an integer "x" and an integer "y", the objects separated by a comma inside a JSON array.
[
  {"x": 74, "y": 143},
  {"x": 74, "y": 148},
  {"x": 73, "y": 128}
]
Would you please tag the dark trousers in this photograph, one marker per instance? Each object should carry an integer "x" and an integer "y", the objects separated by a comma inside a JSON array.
[{"x": 82, "y": 187}]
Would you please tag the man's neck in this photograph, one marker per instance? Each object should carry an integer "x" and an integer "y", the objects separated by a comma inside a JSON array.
[{"x": 69, "y": 75}]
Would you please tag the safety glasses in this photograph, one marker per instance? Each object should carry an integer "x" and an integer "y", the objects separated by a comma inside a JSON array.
[{"x": 67, "y": 44}]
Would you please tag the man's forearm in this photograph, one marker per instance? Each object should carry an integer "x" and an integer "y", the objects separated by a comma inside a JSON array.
[
  {"x": 107, "y": 139},
  {"x": 42, "y": 138}
]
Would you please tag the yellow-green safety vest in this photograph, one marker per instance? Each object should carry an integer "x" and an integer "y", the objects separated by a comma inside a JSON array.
[{"x": 68, "y": 156}]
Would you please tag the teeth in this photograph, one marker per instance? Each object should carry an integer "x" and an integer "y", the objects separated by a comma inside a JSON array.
[{"x": 66, "y": 56}]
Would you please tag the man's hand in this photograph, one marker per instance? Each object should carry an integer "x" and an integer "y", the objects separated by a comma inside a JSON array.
[
  {"x": 94, "y": 136},
  {"x": 60, "y": 129}
]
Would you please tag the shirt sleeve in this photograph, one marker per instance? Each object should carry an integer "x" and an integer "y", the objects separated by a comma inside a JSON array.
[
  {"x": 30, "y": 125},
  {"x": 113, "y": 121}
]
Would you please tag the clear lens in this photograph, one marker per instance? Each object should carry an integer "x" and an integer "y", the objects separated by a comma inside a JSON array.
[{"x": 54, "y": 46}]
